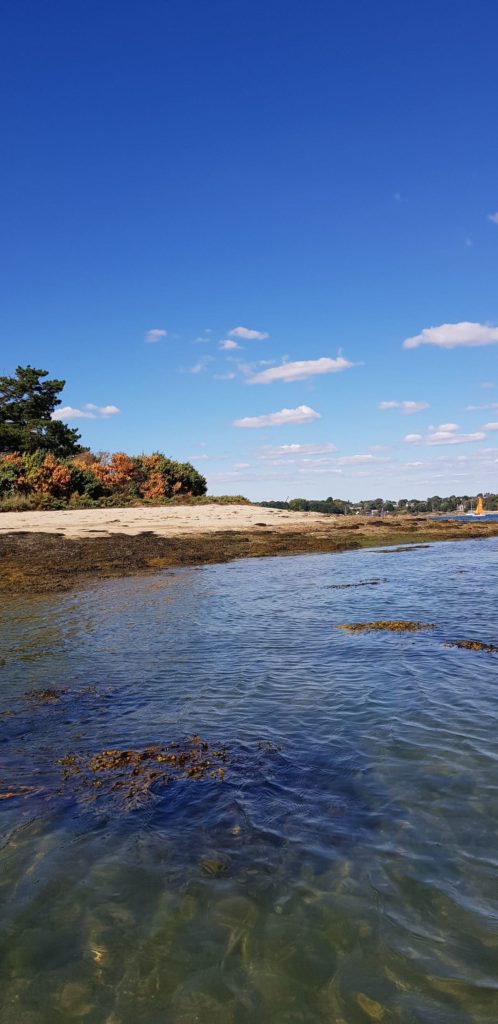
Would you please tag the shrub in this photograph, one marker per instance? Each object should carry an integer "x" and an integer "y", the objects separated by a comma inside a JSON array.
[{"x": 87, "y": 479}]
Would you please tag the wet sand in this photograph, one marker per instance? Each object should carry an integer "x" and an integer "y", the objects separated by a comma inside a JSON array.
[{"x": 51, "y": 551}]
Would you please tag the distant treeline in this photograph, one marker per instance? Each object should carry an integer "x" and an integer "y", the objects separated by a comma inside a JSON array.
[{"x": 338, "y": 506}]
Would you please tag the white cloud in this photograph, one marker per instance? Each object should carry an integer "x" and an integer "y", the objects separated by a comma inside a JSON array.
[
  {"x": 493, "y": 217},
  {"x": 464, "y": 334},
  {"x": 155, "y": 335},
  {"x": 247, "y": 334},
  {"x": 291, "y": 450},
  {"x": 303, "y": 414},
  {"x": 445, "y": 433},
  {"x": 224, "y": 376},
  {"x": 406, "y": 407},
  {"x": 228, "y": 344},
  {"x": 88, "y": 412},
  {"x": 490, "y": 426},
  {"x": 301, "y": 370}
]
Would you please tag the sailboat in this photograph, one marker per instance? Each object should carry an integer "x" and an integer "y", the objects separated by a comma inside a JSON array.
[{"x": 479, "y": 510}]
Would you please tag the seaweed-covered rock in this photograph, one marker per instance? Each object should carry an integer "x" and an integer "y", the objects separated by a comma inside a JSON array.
[{"x": 392, "y": 627}]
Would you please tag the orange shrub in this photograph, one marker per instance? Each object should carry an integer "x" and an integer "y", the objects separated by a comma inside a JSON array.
[{"x": 52, "y": 478}]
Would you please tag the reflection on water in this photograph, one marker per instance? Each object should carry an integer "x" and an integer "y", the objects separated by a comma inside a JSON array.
[{"x": 348, "y": 877}]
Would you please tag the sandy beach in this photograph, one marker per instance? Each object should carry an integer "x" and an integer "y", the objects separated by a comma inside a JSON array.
[{"x": 164, "y": 521}]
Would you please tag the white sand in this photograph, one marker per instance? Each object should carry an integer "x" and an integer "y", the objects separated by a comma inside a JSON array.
[{"x": 166, "y": 521}]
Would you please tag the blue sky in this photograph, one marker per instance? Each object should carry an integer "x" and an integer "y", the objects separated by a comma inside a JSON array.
[{"x": 322, "y": 175}]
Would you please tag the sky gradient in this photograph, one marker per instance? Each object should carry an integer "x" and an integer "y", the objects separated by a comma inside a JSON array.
[{"x": 260, "y": 236}]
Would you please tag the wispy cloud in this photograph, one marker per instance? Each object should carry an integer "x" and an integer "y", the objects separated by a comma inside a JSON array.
[
  {"x": 445, "y": 433},
  {"x": 493, "y": 217},
  {"x": 247, "y": 334},
  {"x": 362, "y": 459},
  {"x": 479, "y": 408},
  {"x": 224, "y": 376},
  {"x": 465, "y": 334},
  {"x": 406, "y": 407},
  {"x": 88, "y": 412},
  {"x": 198, "y": 367},
  {"x": 301, "y": 370},
  {"x": 291, "y": 450},
  {"x": 155, "y": 335},
  {"x": 228, "y": 345},
  {"x": 302, "y": 414},
  {"x": 490, "y": 426}
]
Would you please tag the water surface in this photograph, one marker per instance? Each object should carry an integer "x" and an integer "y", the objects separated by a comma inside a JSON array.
[{"x": 344, "y": 870}]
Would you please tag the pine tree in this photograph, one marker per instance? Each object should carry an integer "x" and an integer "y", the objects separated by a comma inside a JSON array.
[{"x": 27, "y": 403}]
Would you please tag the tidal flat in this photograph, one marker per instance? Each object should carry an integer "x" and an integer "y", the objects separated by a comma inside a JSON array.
[
  {"x": 60, "y": 550},
  {"x": 315, "y": 836}
]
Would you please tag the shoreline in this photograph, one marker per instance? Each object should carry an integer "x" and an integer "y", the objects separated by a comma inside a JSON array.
[{"x": 50, "y": 552}]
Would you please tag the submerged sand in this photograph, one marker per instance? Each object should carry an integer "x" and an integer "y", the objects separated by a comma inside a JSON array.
[{"x": 51, "y": 551}]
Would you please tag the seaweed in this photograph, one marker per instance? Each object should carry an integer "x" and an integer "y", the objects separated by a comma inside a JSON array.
[
  {"x": 134, "y": 772},
  {"x": 473, "y": 645},
  {"x": 45, "y": 696},
  {"x": 392, "y": 627},
  {"x": 15, "y": 791},
  {"x": 360, "y": 583},
  {"x": 134, "y": 775}
]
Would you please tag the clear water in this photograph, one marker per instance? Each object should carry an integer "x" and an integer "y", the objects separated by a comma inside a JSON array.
[{"x": 355, "y": 874}]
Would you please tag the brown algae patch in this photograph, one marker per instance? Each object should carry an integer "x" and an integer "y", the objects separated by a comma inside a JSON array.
[
  {"x": 389, "y": 626},
  {"x": 130, "y": 776},
  {"x": 47, "y": 696},
  {"x": 133, "y": 772},
  {"x": 473, "y": 645}
]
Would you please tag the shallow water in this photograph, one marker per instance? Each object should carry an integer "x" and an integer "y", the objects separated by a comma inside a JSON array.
[{"x": 350, "y": 876}]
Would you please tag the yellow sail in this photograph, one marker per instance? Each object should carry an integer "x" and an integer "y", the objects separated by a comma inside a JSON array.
[{"x": 479, "y": 511}]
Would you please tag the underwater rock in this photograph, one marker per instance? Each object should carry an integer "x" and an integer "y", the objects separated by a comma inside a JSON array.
[
  {"x": 392, "y": 627},
  {"x": 404, "y": 547},
  {"x": 473, "y": 645},
  {"x": 213, "y": 866}
]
